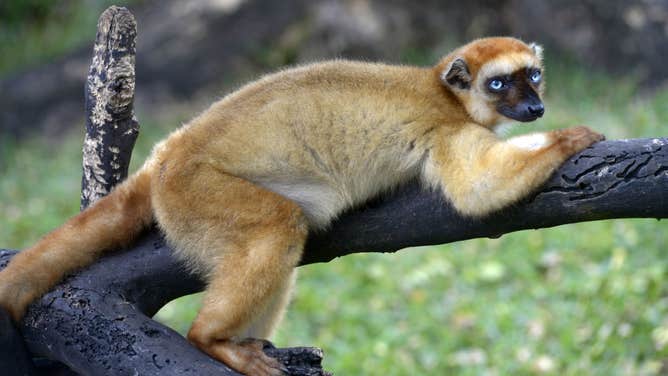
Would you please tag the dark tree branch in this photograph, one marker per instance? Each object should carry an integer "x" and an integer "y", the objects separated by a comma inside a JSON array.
[{"x": 14, "y": 358}]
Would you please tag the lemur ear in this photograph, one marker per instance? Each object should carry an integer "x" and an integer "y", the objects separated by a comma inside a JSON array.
[
  {"x": 537, "y": 50},
  {"x": 457, "y": 75}
]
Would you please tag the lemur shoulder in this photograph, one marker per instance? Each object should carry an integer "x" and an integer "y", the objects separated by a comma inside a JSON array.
[{"x": 237, "y": 189}]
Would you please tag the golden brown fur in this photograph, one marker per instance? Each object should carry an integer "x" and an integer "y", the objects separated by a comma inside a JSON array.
[{"x": 237, "y": 189}]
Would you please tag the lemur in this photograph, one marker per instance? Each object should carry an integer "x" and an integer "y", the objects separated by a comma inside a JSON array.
[{"x": 237, "y": 189}]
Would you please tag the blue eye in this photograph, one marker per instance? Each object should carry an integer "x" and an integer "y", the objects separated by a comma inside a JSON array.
[
  {"x": 535, "y": 76},
  {"x": 495, "y": 84}
]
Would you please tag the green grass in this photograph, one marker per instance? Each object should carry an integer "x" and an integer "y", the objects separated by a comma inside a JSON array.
[
  {"x": 40, "y": 182},
  {"x": 578, "y": 299},
  {"x": 34, "y": 31}
]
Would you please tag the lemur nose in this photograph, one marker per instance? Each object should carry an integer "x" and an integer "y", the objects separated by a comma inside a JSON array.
[{"x": 537, "y": 109}]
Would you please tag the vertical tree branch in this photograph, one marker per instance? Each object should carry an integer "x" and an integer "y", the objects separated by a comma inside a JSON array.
[{"x": 111, "y": 127}]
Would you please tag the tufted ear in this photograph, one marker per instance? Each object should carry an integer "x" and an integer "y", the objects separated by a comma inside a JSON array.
[
  {"x": 457, "y": 75},
  {"x": 537, "y": 50}
]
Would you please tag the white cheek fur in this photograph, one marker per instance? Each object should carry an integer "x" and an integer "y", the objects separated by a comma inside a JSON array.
[{"x": 529, "y": 142}]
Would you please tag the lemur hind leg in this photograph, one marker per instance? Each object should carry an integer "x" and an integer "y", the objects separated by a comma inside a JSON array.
[
  {"x": 265, "y": 323},
  {"x": 248, "y": 241}
]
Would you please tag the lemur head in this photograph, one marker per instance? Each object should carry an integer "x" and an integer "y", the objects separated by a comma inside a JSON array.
[{"x": 496, "y": 79}]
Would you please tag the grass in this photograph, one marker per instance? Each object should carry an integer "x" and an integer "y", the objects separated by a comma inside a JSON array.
[
  {"x": 35, "y": 33},
  {"x": 578, "y": 299}
]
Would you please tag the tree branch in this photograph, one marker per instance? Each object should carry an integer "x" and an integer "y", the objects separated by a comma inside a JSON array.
[{"x": 111, "y": 127}]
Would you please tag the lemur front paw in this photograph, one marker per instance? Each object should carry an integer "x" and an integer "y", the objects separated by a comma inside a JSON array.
[{"x": 575, "y": 139}]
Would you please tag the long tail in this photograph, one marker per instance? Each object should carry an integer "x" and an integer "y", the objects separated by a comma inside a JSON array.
[{"x": 110, "y": 223}]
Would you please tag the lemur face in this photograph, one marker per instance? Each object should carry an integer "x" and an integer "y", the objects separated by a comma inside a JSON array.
[
  {"x": 517, "y": 94},
  {"x": 496, "y": 79}
]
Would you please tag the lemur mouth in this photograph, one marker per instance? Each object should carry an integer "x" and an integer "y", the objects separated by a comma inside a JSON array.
[{"x": 524, "y": 114}]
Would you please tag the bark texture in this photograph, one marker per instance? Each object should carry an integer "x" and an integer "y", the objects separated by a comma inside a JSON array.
[{"x": 111, "y": 127}]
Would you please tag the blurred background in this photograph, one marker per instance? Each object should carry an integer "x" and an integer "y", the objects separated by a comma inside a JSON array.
[{"x": 573, "y": 300}]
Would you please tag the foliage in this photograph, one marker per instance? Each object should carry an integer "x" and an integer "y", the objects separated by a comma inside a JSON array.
[
  {"x": 32, "y": 11},
  {"x": 33, "y": 31}
]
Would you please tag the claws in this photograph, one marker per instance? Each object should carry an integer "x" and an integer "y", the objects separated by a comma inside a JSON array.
[{"x": 245, "y": 356}]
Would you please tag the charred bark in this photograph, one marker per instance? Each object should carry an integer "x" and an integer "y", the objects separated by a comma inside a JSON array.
[{"x": 111, "y": 127}]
